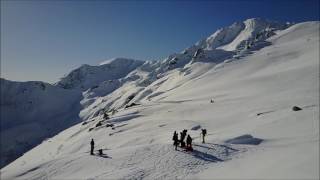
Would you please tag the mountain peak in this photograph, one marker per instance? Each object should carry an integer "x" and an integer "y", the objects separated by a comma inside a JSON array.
[
  {"x": 117, "y": 60},
  {"x": 87, "y": 76}
]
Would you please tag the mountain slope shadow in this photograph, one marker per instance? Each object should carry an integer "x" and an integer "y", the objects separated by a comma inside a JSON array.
[
  {"x": 102, "y": 156},
  {"x": 245, "y": 139},
  {"x": 203, "y": 156}
]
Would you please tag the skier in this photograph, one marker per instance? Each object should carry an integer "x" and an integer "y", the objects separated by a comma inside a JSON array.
[
  {"x": 189, "y": 143},
  {"x": 175, "y": 139},
  {"x": 203, "y": 132},
  {"x": 92, "y": 146}
]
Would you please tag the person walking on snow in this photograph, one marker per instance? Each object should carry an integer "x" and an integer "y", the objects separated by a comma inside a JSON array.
[
  {"x": 92, "y": 146},
  {"x": 203, "y": 133},
  {"x": 174, "y": 136},
  {"x": 189, "y": 143},
  {"x": 175, "y": 139},
  {"x": 182, "y": 136}
]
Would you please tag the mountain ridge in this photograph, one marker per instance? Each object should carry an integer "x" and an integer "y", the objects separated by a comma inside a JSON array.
[
  {"x": 245, "y": 102},
  {"x": 120, "y": 81}
]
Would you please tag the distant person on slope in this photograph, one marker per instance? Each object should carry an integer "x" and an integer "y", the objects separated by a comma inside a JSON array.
[
  {"x": 175, "y": 139},
  {"x": 189, "y": 143},
  {"x": 203, "y": 133},
  {"x": 92, "y": 146}
]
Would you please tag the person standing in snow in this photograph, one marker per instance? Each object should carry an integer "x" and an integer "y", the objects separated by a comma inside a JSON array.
[
  {"x": 189, "y": 143},
  {"x": 92, "y": 146},
  {"x": 185, "y": 132},
  {"x": 175, "y": 139},
  {"x": 182, "y": 136},
  {"x": 174, "y": 135},
  {"x": 203, "y": 133}
]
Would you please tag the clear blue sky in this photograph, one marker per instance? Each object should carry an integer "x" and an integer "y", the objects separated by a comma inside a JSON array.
[{"x": 43, "y": 40}]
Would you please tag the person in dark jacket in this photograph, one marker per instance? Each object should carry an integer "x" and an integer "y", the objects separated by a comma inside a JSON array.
[
  {"x": 182, "y": 143},
  {"x": 92, "y": 146},
  {"x": 175, "y": 134},
  {"x": 183, "y": 134},
  {"x": 189, "y": 143},
  {"x": 175, "y": 139},
  {"x": 203, "y": 133}
]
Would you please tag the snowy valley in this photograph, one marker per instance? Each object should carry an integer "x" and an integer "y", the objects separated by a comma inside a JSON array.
[{"x": 240, "y": 83}]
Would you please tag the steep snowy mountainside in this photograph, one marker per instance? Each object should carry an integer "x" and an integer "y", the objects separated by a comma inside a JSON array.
[
  {"x": 43, "y": 110},
  {"x": 223, "y": 36},
  {"x": 121, "y": 82},
  {"x": 253, "y": 133},
  {"x": 238, "y": 38},
  {"x": 87, "y": 76},
  {"x": 32, "y": 111},
  {"x": 178, "y": 68},
  {"x": 254, "y": 29}
]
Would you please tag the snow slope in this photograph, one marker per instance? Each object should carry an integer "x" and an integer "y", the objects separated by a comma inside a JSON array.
[
  {"x": 252, "y": 131},
  {"x": 42, "y": 110},
  {"x": 143, "y": 82}
]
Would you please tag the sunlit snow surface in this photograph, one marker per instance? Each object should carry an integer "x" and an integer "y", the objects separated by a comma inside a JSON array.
[{"x": 268, "y": 82}]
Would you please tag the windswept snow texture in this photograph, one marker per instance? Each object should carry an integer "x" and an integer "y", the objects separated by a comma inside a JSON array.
[
  {"x": 261, "y": 68},
  {"x": 31, "y": 112}
]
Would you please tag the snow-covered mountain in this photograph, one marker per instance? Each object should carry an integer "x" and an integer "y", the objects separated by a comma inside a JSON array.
[
  {"x": 254, "y": 71},
  {"x": 31, "y": 112},
  {"x": 41, "y": 110},
  {"x": 87, "y": 76},
  {"x": 225, "y": 44}
]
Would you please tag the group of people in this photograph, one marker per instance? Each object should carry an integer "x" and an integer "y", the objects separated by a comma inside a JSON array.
[
  {"x": 183, "y": 134},
  {"x": 177, "y": 141}
]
